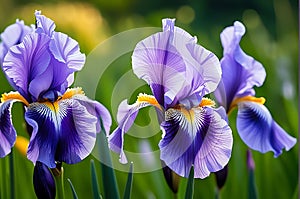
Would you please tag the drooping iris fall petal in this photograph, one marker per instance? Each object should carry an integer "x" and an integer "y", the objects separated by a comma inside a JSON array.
[
  {"x": 7, "y": 131},
  {"x": 259, "y": 131},
  {"x": 64, "y": 131},
  {"x": 196, "y": 137},
  {"x": 126, "y": 116}
]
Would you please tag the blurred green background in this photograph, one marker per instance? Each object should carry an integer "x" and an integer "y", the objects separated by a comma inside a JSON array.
[{"x": 272, "y": 38}]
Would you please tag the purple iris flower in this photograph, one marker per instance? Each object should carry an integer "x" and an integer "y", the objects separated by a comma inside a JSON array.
[
  {"x": 64, "y": 121},
  {"x": 240, "y": 73},
  {"x": 180, "y": 73},
  {"x": 13, "y": 35}
]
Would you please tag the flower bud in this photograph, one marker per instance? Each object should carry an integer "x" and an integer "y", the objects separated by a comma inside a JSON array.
[
  {"x": 221, "y": 177},
  {"x": 43, "y": 182},
  {"x": 171, "y": 177}
]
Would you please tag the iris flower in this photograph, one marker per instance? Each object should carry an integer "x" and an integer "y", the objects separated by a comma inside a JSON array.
[
  {"x": 64, "y": 121},
  {"x": 241, "y": 73},
  {"x": 180, "y": 73}
]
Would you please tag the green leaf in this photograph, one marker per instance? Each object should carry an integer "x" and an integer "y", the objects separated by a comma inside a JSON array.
[
  {"x": 95, "y": 184},
  {"x": 128, "y": 187},
  {"x": 73, "y": 189},
  {"x": 252, "y": 187},
  {"x": 190, "y": 185},
  {"x": 110, "y": 187}
]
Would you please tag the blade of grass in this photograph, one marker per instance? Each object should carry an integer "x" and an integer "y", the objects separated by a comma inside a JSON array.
[
  {"x": 95, "y": 184},
  {"x": 128, "y": 187},
  {"x": 72, "y": 189},
  {"x": 190, "y": 185}
]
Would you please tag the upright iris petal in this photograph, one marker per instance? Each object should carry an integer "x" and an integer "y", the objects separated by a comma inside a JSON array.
[
  {"x": 64, "y": 121},
  {"x": 13, "y": 35},
  {"x": 180, "y": 73},
  {"x": 241, "y": 73}
]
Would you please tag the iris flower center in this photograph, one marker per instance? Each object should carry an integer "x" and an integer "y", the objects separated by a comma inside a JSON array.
[{"x": 52, "y": 105}]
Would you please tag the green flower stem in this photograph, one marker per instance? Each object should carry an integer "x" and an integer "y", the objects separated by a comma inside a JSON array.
[
  {"x": 4, "y": 178},
  {"x": 217, "y": 193},
  {"x": 12, "y": 175},
  {"x": 189, "y": 193},
  {"x": 59, "y": 179}
]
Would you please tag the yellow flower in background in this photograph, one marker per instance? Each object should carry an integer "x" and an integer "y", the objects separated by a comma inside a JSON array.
[
  {"x": 22, "y": 145},
  {"x": 81, "y": 20}
]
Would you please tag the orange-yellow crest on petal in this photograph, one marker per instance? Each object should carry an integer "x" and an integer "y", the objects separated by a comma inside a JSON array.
[
  {"x": 144, "y": 98},
  {"x": 71, "y": 92},
  {"x": 13, "y": 96},
  {"x": 207, "y": 102},
  {"x": 259, "y": 100}
]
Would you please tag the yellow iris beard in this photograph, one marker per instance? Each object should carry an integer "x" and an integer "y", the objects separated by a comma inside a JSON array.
[
  {"x": 53, "y": 106},
  {"x": 189, "y": 114}
]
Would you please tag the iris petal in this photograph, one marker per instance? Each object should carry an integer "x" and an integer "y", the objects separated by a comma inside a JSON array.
[
  {"x": 259, "y": 131},
  {"x": 44, "y": 138},
  {"x": 62, "y": 131},
  {"x": 14, "y": 34},
  {"x": 126, "y": 116},
  {"x": 203, "y": 72},
  {"x": 11, "y": 35},
  {"x": 26, "y": 61},
  {"x": 157, "y": 61},
  {"x": 208, "y": 70},
  {"x": 44, "y": 24},
  {"x": 66, "y": 50},
  {"x": 96, "y": 109},
  {"x": 198, "y": 137},
  {"x": 7, "y": 131},
  {"x": 78, "y": 132},
  {"x": 216, "y": 148},
  {"x": 241, "y": 72}
]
